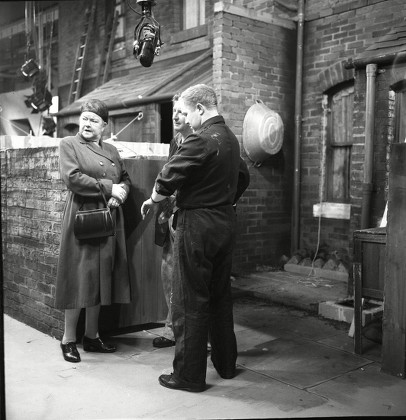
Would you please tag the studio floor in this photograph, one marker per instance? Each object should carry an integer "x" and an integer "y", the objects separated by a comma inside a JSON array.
[{"x": 291, "y": 363}]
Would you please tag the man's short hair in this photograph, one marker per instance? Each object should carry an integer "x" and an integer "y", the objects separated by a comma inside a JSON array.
[{"x": 202, "y": 94}]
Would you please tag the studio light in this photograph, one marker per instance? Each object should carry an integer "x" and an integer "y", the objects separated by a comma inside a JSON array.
[
  {"x": 30, "y": 68},
  {"x": 39, "y": 101},
  {"x": 147, "y": 35}
]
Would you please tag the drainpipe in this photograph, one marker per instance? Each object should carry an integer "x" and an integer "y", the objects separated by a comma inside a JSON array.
[
  {"x": 298, "y": 129},
  {"x": 369, "y": 145}
]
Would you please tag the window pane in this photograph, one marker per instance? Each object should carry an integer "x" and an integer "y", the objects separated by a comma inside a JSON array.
[
  {"x": 202, "y": 13},
  {"x": 340, "y": 170},
  {"x": 342, "y": 110},
  {"x": 194, "y": 13},
  {"x": 339, "y": 144},
  {"x": 401, "y": 121}
]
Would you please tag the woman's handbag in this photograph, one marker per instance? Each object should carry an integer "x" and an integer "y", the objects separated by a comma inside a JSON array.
[{"x": 98, "y": 223}]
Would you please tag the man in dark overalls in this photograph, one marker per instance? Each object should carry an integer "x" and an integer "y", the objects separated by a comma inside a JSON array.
[{"x": 209, "y": 176}]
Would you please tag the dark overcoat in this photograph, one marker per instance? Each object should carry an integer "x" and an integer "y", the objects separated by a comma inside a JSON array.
[{"x": 93, "y": 271}]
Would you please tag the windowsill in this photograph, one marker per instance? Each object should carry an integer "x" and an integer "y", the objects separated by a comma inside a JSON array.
[
  {"x": 189, "y": 34},
  {"x": 332, "y": 210}
]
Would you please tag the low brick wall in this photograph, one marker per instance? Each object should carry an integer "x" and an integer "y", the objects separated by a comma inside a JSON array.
[{"x": 32, "y": 200}]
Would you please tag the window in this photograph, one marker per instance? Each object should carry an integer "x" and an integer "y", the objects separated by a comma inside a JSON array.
[
  {"x": 339, "y": 144},
  {"x": 119, "y": 49},
  {"x": 193, "y": 13},
  {"x": 400, "y": 111}
]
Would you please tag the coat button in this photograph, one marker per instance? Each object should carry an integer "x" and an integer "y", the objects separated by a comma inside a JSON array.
[
  {"x": 101, "y": 163},
  {"x": 113, "y": 164}
]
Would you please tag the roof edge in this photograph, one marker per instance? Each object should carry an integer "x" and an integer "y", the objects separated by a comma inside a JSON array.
[
  {"x": 148, "y": 97},
  {"x": 120, "y": 104}
]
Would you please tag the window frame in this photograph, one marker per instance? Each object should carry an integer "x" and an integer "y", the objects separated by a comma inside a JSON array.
[
  {"x": 400, "y": 109},
  {"x": 333, "y": 146}
]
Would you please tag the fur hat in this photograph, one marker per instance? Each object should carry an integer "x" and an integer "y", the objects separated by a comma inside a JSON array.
[{"x": 97, "y": 107}]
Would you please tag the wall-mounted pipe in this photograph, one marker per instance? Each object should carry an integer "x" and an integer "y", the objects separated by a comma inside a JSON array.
[
  {"x": 381, "y": 60},
  {"x": 295, "y": 232},
  {"x": 369, "y": 145}
]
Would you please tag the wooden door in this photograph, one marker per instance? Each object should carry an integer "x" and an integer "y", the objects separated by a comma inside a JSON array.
[{"x": 394, "y": 320}]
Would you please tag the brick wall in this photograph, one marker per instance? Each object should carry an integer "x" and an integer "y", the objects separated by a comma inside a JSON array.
[
  {"x": 253, "y": 60},
  {"x": 336, "y": 31},
  {"x": 32, "y": 201}
]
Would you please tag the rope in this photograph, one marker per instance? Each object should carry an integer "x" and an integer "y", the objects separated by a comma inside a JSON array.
[
  {"x": 39, "y": 125},
  {"x": 321, "y": 189},
  {"x": 139, "y": 116}
]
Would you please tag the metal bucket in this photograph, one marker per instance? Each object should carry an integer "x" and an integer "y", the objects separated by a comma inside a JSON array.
[{"x": 262, "y": 133}]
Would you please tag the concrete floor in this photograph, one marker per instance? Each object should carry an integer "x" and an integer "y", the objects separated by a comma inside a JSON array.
[{"x": 291, "y": 364}]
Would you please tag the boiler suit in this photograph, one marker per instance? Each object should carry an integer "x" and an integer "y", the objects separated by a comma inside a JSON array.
[{"x": 209, "y": 176}]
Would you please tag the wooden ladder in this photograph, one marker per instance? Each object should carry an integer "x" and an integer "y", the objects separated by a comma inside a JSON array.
[
  {"x": 107, "y": 51},
  {"x": 77, "y": 77}
]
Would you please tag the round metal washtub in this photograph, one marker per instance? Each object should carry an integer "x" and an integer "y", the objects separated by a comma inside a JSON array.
[{"x": 262, "y": 133}]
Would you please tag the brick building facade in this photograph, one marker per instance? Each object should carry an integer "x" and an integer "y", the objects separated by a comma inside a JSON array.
[
  {"x": 253, "y": 58},
  {"x": 335, "y": 33},
  {"x": 251, "y": 46}
]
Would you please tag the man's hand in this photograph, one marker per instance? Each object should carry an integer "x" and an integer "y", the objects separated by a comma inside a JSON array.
[
  {"x": 147, "y": 206},
  {"x": 166, "y": 210}
]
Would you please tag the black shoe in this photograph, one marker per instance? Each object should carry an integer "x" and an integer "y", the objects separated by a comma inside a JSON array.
[
  {"x": 97, "y": 345},
  {"x": 161, "y": 342},
  {"x": 227, "y": 375},
  {"x": 70, "y": 352},
  {"x": 169, "y": 381}
]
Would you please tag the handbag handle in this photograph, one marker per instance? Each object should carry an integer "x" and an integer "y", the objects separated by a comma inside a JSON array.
[{"x": 102, "y": 194}]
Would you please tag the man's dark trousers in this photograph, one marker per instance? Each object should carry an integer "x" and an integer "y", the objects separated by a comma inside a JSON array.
[{"x": 202, "y": 304}]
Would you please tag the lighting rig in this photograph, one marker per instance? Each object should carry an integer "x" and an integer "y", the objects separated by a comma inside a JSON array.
[
  {"x": 147, "y": 34},
  {"x": 29, "y": 69},
  {"x": 41, "y": 99}
]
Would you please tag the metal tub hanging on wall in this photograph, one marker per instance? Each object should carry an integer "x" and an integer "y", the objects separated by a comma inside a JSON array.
[{"x": 262, "y": 133}]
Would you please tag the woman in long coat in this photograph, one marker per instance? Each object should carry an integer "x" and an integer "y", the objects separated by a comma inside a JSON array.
[{"x": 91, "y": 272}]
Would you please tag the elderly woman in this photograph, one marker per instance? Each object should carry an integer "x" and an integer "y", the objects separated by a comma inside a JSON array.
[{"x": 91, "y": 272}]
